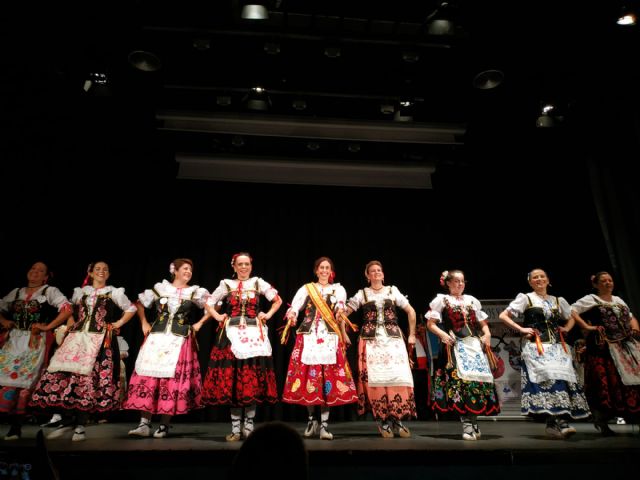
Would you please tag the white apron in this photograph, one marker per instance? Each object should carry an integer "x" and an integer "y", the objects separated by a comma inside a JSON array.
[
  {"x": 19, "y": 364},
  {"x": 159, "y": 355},
  {"x": 627, "y": 361},
  {"x": 246, "y": 342},
  {"x": 553, "y": 364},
  {"x": 471, "y": 362}
]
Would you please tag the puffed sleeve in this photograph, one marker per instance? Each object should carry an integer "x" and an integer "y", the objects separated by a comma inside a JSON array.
[
  {"x": 355, "y": 302},
  {"x": 518, "y": 306},
  {"x": 477, "y": 307},
  {"x": 565, "y": 308},
  {"x": 298, "y": 301},
  {"x": 622, "y": 302},
  {"x": 218, "y": 294},
  {"x": 435, "y": 308},
  {"x": 76, "y": 296},
  {"x": 148, "y": 297},
  {"x": 200, "y": 296},
  {"x": 267, "y": 290},
  {"x": 56, "y": 298},
  {"x": 582, "y": 305},
  {"x": 119, "y": 297},
  {"x": 341, "y": 296},
  {"x": 6, "y": 300},
  {"x": 399, "y": 298}
]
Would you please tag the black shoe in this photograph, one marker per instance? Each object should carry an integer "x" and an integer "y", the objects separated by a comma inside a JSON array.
[
  {"x": 14, "y": 433},
  {"x": 603, "y": 428}
]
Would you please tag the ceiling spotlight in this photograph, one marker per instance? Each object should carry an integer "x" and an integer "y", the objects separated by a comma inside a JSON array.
[
  {"x": 257, "y": 99},
  {"x": 627, "y": 17},
  {"x": 144, "y": 61},
  {"x": 547, "y": 118},
  {"x": 299, "y": 104},
  {"x": 237, "y": 141},
  {"x": 332, "y": 52},
  {"x": 488, "y": 79},
  {"x": 254, "y": 12},
  {"x": 97, "y": 83},
  {"x": 442, "y": 20},
  {"x": 223, "y": 100},
  {"x": 272, "y": 48},
  {"x": 410, "y": 56},
  {"x": 202, "y": 44},
  {"x": 387, "y": 108},
  {"x": 404, "y": 113},
  {"x": 354, "y": 147}
]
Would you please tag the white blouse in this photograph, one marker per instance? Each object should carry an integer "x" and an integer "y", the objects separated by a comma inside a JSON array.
[
  {"x": 117, "y": 295},
  {"x": 438, "y": 304},
  {"x": 264, "y": 288},
  {"x": 521, "y": 303},
  {"x": 588, "y": 302},
  {"x": 52, "y": 296},
  {"x": 355, "y": 302},
  {"x": 174, "y": 295},
  {"x": 299, "y": 300}
]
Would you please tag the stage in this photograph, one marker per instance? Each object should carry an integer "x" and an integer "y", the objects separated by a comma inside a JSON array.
[{"x": 508, "y": 449}]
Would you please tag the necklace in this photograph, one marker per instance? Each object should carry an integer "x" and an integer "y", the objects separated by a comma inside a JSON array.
[{"x": 377, "y": 289}]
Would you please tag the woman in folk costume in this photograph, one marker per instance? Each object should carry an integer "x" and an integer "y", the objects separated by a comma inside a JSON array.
[
  {"x": 28, "y": 316},
  {"x": 463, "y": 382},
  {"x": 612, "y": 357},
  {"x": 240, "y": 372},
  {"x": 84, "y": 373},
  {"x": 385, "y": 381},
  {"x": 166, "y": 380},
  {"x": 318, "y": 372},
  {"x": 550, "y": 387}
]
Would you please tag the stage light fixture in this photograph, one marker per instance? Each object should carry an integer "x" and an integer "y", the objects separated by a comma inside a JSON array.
[
  {"x": 254, "y": 11},
  {"x": 488, "y": 79},
  {"x": 144, "y": 61}
]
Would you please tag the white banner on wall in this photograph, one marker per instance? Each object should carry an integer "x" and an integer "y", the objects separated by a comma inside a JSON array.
[{"x": 505, "y": 343}]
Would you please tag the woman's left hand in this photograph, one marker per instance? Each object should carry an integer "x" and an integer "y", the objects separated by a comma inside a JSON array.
[
  {"x": 411, "y": 339},
  {"x": 263, "y": 317},
  {"x": 486, "y": 339}
]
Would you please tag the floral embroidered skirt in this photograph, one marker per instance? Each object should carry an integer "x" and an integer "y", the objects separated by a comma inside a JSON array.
[
  {"x": 327, "y": 385},
  {"x": 169, "y": 396},
  {"x": 238, "y": 382}
]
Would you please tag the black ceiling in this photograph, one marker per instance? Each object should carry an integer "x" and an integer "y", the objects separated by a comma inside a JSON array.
[{"x": 334, "y": 71}]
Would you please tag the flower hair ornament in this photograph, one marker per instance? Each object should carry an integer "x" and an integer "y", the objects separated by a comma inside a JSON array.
[
  {"x": 443, "y": 277},
  {"x": 593, "y": 279},
  {"x": 172, "y": 268},
  {"x": 240, "y": 254}
]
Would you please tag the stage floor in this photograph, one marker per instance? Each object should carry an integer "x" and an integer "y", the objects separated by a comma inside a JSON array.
[{"x": 508, "y": 449}]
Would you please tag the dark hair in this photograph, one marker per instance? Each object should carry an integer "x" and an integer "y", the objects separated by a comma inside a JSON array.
[
  {"x": 317, "y": 263},
  {"x": 258, "y": 456},
  {"x": 240, "y": 254},
  {"x": 177, "y": 263},
  {"x": 595, "y": 278},
  {"x": 448, "y": 275},
  {"x": 533, "y": 270},
  {"x": 90, "y": 268}
]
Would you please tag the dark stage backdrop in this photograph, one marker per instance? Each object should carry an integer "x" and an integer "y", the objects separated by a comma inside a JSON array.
[{"x": 495, "y": 223}]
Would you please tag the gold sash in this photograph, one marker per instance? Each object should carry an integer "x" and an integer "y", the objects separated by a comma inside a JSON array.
[{"x": 324, "y": 309}]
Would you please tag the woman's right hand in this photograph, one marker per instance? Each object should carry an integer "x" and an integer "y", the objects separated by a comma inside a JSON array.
[
  {"x": 528, "y": 332},
  {"x": 292, "y": 319},
  {"x": 447, "y": 339},
  {"x": 146, "y": 327},
  {"x": 8, "y": 324}
]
